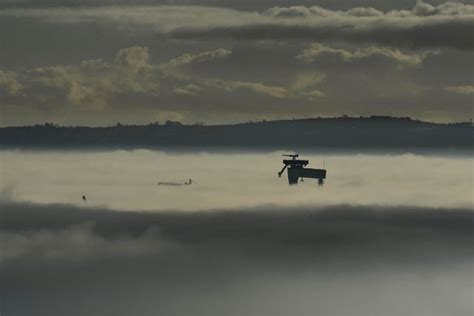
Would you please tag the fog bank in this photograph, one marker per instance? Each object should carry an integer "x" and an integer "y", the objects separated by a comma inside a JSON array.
[
  {"x": 127, "y": 179},
  {"x": 338, "y": 260}
]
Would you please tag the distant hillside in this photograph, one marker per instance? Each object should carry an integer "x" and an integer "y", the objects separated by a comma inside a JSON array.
[{"x": 344, "y": 133}]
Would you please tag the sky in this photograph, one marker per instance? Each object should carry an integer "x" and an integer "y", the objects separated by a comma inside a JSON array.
[{"x": 76, "y": 62}]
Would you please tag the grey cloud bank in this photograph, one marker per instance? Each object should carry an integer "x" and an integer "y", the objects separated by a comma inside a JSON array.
[
  {"x": 343, "y": 260},
  {"x": 424, "y": 26}
]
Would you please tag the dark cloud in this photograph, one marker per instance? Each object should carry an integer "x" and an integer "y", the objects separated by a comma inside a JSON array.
[
  {"x": 238, "y": 4},
  {"x": 398, "y": 33},
  {"x": 425, "y": 26},
  {"x": 60, "y": 259},
  {"x": 347, "y": 226}
]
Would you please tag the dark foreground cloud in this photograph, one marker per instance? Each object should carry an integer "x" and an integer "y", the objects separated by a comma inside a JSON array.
[{"x": 343, "y": 260}]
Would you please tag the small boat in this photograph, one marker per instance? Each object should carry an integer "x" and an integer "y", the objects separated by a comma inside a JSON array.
[{"x": 176, "y": 183}]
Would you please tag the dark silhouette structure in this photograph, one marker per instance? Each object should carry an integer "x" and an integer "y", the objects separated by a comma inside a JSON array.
[{"x": 297, "y": 170}]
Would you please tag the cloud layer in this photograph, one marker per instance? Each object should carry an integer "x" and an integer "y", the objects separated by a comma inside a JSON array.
[
  {"x": 315, "y": 50},
  {"x": 94, "y": 84},
  {"x": 425, "y": 26},
  {"x": 468, "y": 90},
  {"x": 279, "y": 261},
  {"x": 80, "y": 63}
]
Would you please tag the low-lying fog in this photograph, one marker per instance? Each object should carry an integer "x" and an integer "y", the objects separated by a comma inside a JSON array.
[
  {"x": 386, "y": 235},
  {"x": 128, "y": 179}
]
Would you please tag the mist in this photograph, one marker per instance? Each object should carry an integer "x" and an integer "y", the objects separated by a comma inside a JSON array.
[
  {"x": 128, "y": 179},
  {"x": 385, "y": 235},
  {"x": 339, "y": 260}
]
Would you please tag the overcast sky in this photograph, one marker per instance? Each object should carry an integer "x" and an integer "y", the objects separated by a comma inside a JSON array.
[{"x": 218, "y": 61}]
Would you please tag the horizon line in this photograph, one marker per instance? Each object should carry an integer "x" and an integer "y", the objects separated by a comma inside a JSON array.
[{"x": 173, "y": 123}]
